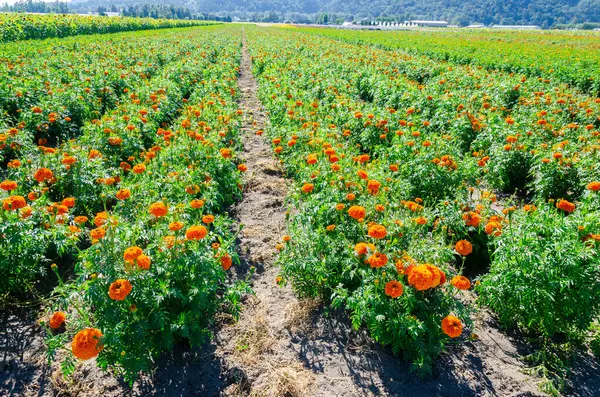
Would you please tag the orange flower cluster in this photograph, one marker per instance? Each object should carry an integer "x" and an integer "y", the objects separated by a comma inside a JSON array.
[{"x": 426, "y": 276}]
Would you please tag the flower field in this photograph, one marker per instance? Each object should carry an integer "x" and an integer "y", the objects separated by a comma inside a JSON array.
[
  {"x": 425, "y": 186},
  {"x": 14, "y": 27}
]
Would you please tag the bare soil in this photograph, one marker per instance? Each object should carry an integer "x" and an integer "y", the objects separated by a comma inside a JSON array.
[{"x": 281, "y": 346}]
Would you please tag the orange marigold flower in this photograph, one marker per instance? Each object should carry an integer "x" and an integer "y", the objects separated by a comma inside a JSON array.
[
  {"x": 43, "y": 174},
  {"x": 97, "y": 233},
  {"x": 340, "y": 207},
  {"x": 143, "y": 262},
  {"x": 452, "y": 326},
  {"x": 493, "y": 228},
  {"x": 119, "y": 289},
  {"x": 132, "y": 253},
  {"x": 86, "y": 343},
  {"x": 169, "y": 241},
  {"x": 81, "y": 219},
  {"x": 594, "y": 186},
  {"x": 139, "y": 168},
  {"x": 363, "y": 248},
  {"x": 8, "y": 185},
  {"x": 472, "y": 219},
  {"x": 421, "y": 220},
  {"x": 242, "y": 167},
  {"x": 373, "y": 186},
  {"x": 393, "y": 289},
  {"x": 350, "y": 196},
  {"x": 311, "y": 159},
  {"x": 463, "y": 247},
  {"x": 208, "y": 219},
  {"x": 565, "y": 205},
  {"x": 377, "y": 260},
  {"x": 308, "y": 187},
  {"x": 196, "y": 233},
  {"x": 158, "y": 209},
  {"x": 123, "y": 194},
  {"x": 286, "y": 238},
  {"x": 357, "y": 212},
  {"x": 197, "y": 204},
  {"x": 100, "y": 219},
  {"x": 175, "y": 226},
  {"x": 69, "y": 202},
  {"x": 226, "y": 262},
  {"x": 362, "y": 174},
  {"x": 422, "y": 277},
  {"x": 57, "y": 320},
  {"x": 226, "y": 153},
  {"x": 461, "y": 282},
  {"x": 377, "y": 231},
  {"x": 26, "y": 212},
  {"x": 394, "y": 167}
]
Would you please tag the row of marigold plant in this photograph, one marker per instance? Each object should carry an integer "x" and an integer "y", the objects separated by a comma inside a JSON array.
[
  {"x": 17, "y": 26},
  {"x": 393, "y": 218},
  {"x": 137, "y": 201}
]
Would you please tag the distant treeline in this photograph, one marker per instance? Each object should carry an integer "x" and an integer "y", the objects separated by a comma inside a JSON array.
[{"x": 545, "y": 13}]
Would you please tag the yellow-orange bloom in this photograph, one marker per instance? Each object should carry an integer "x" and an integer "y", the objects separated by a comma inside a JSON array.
[
  {"x": 175, "y": 226},
  {"x": 363, "y": 248},
  {"x": 493, "y": 228},
  {"x": 208, "y": 219},
  {"x": 594, "y": 186},
  {"x": 373, "y": 186},
  {"x": 196, "y": 204},
  {"x": 119, "y": 289},
  {"x": 57, "y": 320},
  {"x": 43, "y": 174},
  {"x": 565, "y": 205},
  {"x": 357, "y": 212},
  {"x": 463, "y": 247},
  {"x": 123, "y": 194},
  {"x": 97, "y": 233},
  {"x": 86, "y": 343},
  {"x": 461, "y": 282},
  {"x": 196, "y": 233},
  {"x": 452, "y": 326},
  {"x": 377, "y": 231},
  {"x": 424, "y": 277},
  {"x": 14, "y": 203},
  {"x": 308, "y": 187},
  {"x": 143, "y": 262},
  {"x": 8, "y": 185},
  {"x": 132, "y": 253},
  {"x": 226, "y": 262},
  {"x": 158, "y": 209},
  {"x": 377, "y": 260},
  {"x": 393, "y": 289}
]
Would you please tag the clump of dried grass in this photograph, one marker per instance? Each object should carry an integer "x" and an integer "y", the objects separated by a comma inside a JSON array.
[
  {"x": 298, "y": 315},
  {"x": 254, "y": 341},
  {"x": 286, "y": 381}
]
